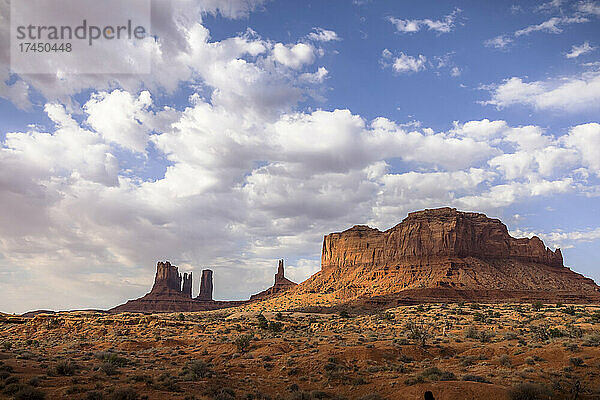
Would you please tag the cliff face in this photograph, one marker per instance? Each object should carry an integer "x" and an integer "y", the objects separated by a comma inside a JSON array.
[
  {"x": 441, "y": 248},
  {"x": 429, "y": 234}
]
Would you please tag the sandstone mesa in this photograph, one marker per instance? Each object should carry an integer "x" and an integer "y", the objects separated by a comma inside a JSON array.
[{"x": 434, "y": 255}]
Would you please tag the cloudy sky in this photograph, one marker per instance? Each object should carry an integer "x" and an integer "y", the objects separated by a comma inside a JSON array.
[{"x": 266, "y": 124}]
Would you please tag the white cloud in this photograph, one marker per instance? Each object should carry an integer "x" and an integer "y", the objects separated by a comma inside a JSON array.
[
  {"x": 323, "y": 35},
  {"x": 499, "y": 42},
  {"x": 294, "y": 56},
  {"x": 455, "y": 72},
  {"x": 559, "y": 239},
  {"x": 550, "y": 6},
  {"x": 414, "y": 25},
  {"x": 405, "y": 63},
  {"x": 586, "y": 139},
  {"x": 553, "y": 25},
  {"x": 589, "y": 7},
  {"x": 571, "y": 94},
  {"x": 315, "y": 77},
  {"x": 576, "y": 50}
]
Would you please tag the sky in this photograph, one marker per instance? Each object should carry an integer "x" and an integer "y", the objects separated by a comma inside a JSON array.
[{"x": 265, "y": 125}]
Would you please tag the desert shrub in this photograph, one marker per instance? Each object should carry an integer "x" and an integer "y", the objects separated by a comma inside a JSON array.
[
  {"x": 275, "y": 326},
  {"x": 555, "y": 333},
  {"x": 344, "y": 314},
  {"x": 65, "y": 368},
  {"x": 279, "y": 316},
  {"x": 569, "y": 310},
  {"x": 7, "y": 345},
  {"x": 468, "y": 361},
  {"x": 573, "y": 331},
  {"x": 197, "y": 369},
  {"x": 591, "y": 340},
  {"x": 596, "y": 317},
  {"x": 167, "y": 382},
  {"x": 124, "y": 394},
  {"x": 181, "y": 317},
  {"x": 94, "y": 395},
  {"x": 112, "y": 358},
  {"x": 262, "y": 322},
  {"x": 576, "y": 361},
  {"x": 485, "y": 336},
  {"x": 436, "y": 374},
  {"x": 243, "y": 342},
  {"x": 529, "y": 391},
  {"x": 108, "y": 368},
  {"x": 537, "y": 305},
  {"x": 224, "y": 393},
  {"x": 505, "y": 361},
  {"x": 27, "y": 392},
  {"x": 540, "y": 332},
  {"x": 417, "y": 332},
  {"x": 414, "y": 380},
  {"x": 35, "y": 381},
  {"x": 471, "y": 332},
  {"x": 475, "y": 378}
]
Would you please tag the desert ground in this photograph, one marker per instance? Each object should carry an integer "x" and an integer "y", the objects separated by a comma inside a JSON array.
[{"x": 265, "y": 351}]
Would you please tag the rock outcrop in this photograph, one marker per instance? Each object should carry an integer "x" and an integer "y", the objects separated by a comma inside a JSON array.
[
  {"x": 281, "y": 285},
  {"x": 443, "y": 249},
  {"x": 172, "y": 292},
  {"x": 206, "y": 286}
]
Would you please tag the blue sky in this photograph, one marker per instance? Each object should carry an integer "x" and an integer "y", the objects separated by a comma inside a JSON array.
[{"x": 265, "y": 125}]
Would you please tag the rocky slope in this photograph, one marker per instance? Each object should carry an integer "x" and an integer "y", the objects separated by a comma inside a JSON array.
[{"x": 444, "y": 253}]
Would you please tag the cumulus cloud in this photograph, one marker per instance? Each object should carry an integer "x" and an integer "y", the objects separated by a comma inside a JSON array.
[
  {"x": 578, "y": 50},
  {"x": 574, "y": 93},
  {"x": 444, "y": 25},
  {"x": 406, "y": 64},
  {"x": 294, "y": 56},
  {"x": 239, "y": 191},
  {"x": 239, "y": 176},
  {"x": 323, "y": 35}
]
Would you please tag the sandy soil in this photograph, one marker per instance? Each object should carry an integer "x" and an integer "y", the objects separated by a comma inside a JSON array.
[{"x": 456, "y": 351}]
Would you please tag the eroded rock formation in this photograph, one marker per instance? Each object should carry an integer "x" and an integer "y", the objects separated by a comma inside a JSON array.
[
  {"x": 206, "y": 286},
  {"x": 442, "y": 249},
  {"x": 282, "y": 284},
  {"x": 172, "y": 292}
]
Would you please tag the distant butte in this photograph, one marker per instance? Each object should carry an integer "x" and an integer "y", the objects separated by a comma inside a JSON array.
[
  {"x": 445, "y": 255},
  {"x": 172, "y": 292},
  {"x": 282, "y": 284},
  {"x": 437, "y": 255}
]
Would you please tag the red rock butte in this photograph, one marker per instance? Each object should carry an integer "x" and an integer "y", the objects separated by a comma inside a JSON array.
[
  {"x": 445, "y": 255},
  {"x": 282, "y": 284},
  {"x": 438, "y": 255},
  {"x": 172, "y": 292}
]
